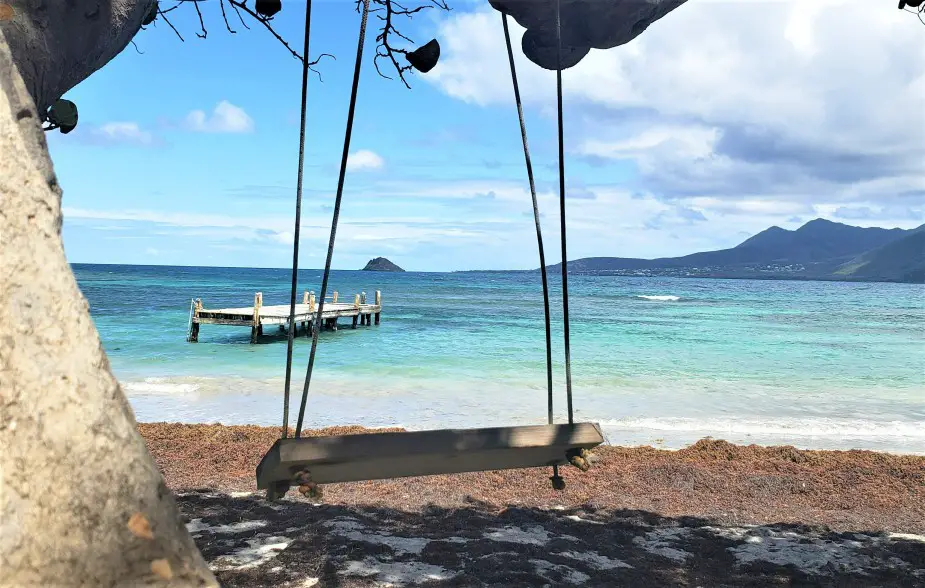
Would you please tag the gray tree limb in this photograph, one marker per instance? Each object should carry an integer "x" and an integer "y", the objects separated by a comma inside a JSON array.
[
  {"x": 56, "y": 44},
  {"x": 81, "y": 501}
]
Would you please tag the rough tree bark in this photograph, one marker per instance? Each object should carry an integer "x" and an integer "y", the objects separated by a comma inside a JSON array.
[
  {"x": 56, "y": 44},
  {"x": 81, "y": 501}
]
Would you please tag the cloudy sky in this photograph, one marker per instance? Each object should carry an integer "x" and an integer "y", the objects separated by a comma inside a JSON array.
[{"x": 722, "y": 119}]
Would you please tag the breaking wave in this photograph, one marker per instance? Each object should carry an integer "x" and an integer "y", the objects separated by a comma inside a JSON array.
[
  {"x": 160, "y": 386},
  {"x": 783, "y": 428}
]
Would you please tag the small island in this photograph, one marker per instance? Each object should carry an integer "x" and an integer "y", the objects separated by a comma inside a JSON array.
[{"x": 381, "y": 264}]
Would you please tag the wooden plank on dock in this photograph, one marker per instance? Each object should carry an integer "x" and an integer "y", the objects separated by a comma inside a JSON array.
[{"x": 261, "y": 315}]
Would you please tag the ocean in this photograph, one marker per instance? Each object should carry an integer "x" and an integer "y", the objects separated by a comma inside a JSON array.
[{"x": 655, "y": 361}]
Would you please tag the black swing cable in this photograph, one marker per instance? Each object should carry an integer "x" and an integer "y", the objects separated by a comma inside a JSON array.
[
  {"x": 298, "y": 216},
  {"x": 536, "y": 213},
  {"x": 568, "y": 364},
  {"x": 337, "y": 201}
]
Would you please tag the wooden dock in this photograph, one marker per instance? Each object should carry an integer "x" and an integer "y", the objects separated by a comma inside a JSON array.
[{"x": 258, "y": 316}]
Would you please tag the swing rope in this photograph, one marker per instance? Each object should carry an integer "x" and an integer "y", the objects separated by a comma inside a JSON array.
[
  {"x": 539, "y": 230},
  {"x": 563, "y": 238},
  {"x": 339, "y": 197},
  {"x": 536, "y": 213},
  {"x": 337, "y": 201},
  {"x": 298, "y": 223}
]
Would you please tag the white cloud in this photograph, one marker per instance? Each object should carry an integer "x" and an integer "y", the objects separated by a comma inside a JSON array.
[
  {"x": 775, "y": 103},
  {"x": 363, "y": 160},
  {"x": 124, "y": 132},
  {"x": 225, "y": 118}
]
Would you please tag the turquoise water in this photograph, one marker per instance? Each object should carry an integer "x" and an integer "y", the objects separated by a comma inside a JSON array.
[{"x": 661, "y": 361}]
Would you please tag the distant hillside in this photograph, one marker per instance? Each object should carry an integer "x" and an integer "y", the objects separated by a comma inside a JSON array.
[
  {"x": 381, "y": 264},
  {"x": 820, "y": 249},
  {"x": 902, "y": 260}
]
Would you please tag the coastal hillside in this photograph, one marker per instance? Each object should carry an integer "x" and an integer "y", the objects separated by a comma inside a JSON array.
[
  {"x": 381, "y": 264},
  {"x": 820, "y": 249},
  {"x": 903, "y": 258}
]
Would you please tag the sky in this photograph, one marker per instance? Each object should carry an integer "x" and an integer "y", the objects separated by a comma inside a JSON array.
[{"x": 720, "y": 120}]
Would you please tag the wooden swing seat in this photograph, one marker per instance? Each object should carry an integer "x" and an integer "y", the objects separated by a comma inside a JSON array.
[{"x": 377, "y": 456}]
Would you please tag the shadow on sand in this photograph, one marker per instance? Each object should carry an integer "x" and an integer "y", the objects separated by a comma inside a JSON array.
[{"x": 292, "y": 543}]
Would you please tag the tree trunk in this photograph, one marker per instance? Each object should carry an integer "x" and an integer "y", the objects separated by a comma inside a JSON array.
[
  {"x": 81, "y": 501},
  {"x": 56, "y": 44}
]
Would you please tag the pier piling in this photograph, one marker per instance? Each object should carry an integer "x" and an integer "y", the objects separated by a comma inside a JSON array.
[{"x": 260, "y": 315}]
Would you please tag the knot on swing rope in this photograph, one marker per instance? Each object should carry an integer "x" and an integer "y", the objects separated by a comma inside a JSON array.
[{"x": 585, "y": 25}]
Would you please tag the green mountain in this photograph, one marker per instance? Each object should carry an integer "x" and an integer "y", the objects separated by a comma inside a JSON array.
[
  {"x": 820, "y": 249},
  {"x": 902, "y": 260},
  {"x": 381, "y": 264}
]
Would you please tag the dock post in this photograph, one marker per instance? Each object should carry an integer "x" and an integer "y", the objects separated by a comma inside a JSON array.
[
  {"x": 256, "y": 327},
  {"x": 296, "y": 327},
  {"x": 310, "y": 299},
  {"x": 334, "y": 297},
  {"x": 356, "y": 305},
  {"x": 378, "y": 305},
  {"x": 194, "y": 326}
]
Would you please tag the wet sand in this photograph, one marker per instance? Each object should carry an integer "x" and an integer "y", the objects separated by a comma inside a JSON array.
[{"x": 713, "y": 514}]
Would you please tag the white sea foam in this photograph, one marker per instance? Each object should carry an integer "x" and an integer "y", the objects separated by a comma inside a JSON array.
[
  {"x": 160, "y": 386},
  {"x": 783, "y": 427},
  {"x": 659, "y": 298}
]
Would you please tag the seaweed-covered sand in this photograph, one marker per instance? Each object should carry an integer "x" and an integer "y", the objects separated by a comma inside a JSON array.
[{"x": 713, "y": 514}]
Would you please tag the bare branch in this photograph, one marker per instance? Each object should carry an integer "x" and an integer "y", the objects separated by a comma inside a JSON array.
[
  {"x": 385, "y": 50},
  {"x": 172, "y": 8},
  {"x": 167, "y": 20},
  {"x": 202, "y": 24},
  {"x": 387, "y": 11},
  {"x": 311, "y": 63},
  {"x": 139, "y": 51},
  {"x": 225, "y": 17},
  {"x": 241, "y": 18},
  {"x": 240, "y": 4}
]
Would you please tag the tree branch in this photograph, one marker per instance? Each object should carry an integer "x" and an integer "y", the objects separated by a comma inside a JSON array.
[
  {"x": 384, "y": 49},
  {"x": 202, "y": 24},
  {"x": 225, "y": 17},
  {"x": 311, "y": 63},
  {"x": 240, "y": 4},
  {"x": 241, "y": 18},
  {"x": 167, "y": 20},
  {"x": 388, "y": 12}
]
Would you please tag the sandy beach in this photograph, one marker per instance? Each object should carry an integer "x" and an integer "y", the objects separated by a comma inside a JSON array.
[{"x": 713, "y": 514}]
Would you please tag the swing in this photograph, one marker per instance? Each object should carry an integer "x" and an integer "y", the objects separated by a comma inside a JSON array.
[{"x": 307, "y": 462}]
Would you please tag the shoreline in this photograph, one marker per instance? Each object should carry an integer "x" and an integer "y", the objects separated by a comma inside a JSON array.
[
  {"x": 713, "y": 514},
  {"x": 895, "y": 425},
  {"x": 730, "y": 484}
]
